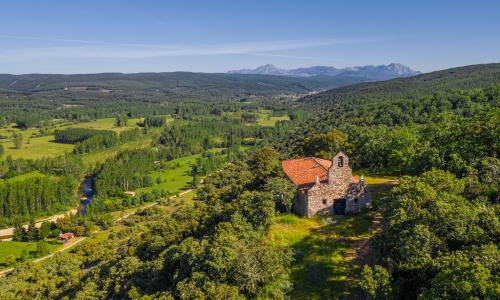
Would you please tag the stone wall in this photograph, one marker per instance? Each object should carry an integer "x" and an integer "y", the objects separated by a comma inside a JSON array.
[
  {"x": 358, "y": 198},
  {"x": 300, "y": 202}
]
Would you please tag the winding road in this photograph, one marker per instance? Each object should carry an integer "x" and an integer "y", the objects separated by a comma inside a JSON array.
[{"x": 73, "y": 242}]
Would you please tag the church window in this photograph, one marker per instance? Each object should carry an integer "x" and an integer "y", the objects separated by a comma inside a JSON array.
[
  {"x": 325, "y": 201},
  {"x": 341, "y": 161}
]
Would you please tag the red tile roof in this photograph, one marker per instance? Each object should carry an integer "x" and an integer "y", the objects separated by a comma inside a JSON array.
[
  {"x": 304, "y": 171},
  {"x": 67, "y": 235}
]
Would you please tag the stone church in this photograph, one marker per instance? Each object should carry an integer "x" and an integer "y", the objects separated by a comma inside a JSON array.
[{"x": 325, "y": 186}]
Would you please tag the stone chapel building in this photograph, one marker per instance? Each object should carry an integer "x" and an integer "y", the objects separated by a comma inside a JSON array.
[{"x": 325, "y": 186}]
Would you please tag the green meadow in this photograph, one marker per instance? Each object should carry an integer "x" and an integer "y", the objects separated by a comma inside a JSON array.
[
  {"x": 34, "y": 147},
  {"x": 264, "y": 117},
  {"x": 175, "y": 178},
  {"x": 16, "y": 248},
  {"x": 325, "y": 248}
]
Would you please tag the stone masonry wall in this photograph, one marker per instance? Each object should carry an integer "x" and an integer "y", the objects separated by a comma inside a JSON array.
[{"x": 320, "y": 197}]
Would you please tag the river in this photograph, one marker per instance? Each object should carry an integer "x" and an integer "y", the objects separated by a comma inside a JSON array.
[{"x": 87, "y": 189}]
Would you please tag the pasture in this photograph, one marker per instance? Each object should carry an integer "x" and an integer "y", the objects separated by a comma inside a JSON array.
[
  {"x": 35, "y": 146},
  {"x": 177, "y": 176},
  {"x": 15, "y": 249}
]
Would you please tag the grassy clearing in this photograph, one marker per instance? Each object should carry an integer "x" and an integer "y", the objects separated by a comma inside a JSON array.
[
  {"x": 39, "y": 147},
  {"x": 15, "y": 248},
  {"x": 319, "y": 270},
  {"x": 265, "y": 118},
  {"x": 175, "y": 178},
  {"x": 322, "y": 268},
  {"x": 32, "y": 174},
  {"x": 106, "y": 124}
]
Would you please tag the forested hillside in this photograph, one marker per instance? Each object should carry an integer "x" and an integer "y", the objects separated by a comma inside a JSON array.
[
  {"x": 415, "y": 87},
  {"x": 440, "y": 225},
  {"x": 155, "y": 86},
  {"x": 218, "y": 222}
]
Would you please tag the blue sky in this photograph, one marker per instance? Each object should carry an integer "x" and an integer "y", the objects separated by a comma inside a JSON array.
[{"x": 216, "y": 36}]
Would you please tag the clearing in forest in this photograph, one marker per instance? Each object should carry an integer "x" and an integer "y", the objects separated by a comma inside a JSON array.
[{"x": 329, "y": 251}]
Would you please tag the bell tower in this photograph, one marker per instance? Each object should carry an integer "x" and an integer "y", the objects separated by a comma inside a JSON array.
[{"x": 340, "y": 173}]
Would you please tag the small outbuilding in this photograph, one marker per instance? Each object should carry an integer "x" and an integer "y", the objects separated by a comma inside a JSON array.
[{"x": 66, "y": 236}]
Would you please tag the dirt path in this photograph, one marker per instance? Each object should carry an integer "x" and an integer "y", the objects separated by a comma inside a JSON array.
[
  {"x": 360, "y": 251},
  {"x": 73, "y": 242},
  {"x": 8, "y": 232}
]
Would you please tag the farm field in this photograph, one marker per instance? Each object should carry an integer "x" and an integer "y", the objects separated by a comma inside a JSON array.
[
  {"x": 264, "y": 117},
  {"x": 37, "y": 148},
  {"x": 175, "y": 178},
  {"x": 44, "y": 146},
  {"x": 15, "y": 249}
]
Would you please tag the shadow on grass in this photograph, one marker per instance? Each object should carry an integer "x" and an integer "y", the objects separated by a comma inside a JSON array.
[{"x": 320, "y": 270}]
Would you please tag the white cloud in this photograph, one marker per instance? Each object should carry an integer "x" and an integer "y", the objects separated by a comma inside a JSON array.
[{"x": 105, "y": 50}]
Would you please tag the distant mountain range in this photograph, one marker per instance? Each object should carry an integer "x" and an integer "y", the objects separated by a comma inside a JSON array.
[
  {"x": 354, "y": 74},
  {"x": 415, "y": 87}
]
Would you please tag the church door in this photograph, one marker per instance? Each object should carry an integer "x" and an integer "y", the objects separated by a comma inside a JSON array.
[{"x": 339, "y": 206}]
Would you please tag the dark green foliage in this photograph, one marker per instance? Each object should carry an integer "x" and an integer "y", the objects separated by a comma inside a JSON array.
[
  {"x": 36, "y": 197},
  {"x": 96, "y": 143},
  {"x": 75, "y": 135},
  {"x": 42, "y": 249},
  {"x": 195, "y": 136},
  {"x": 214, "y": 249},
  {"x": 28, "y": 121},
  {"x": 121, "y": 120},
  {"x": 154, "y": 121},
  {"x": 326, "y": 145},
  {"x": 283, "y": 191},
  {"x": 433, "y": 237},
  {"x": 213, "y": 161},
  {"x": 67, "y": 165},
  {"x": 413, "y": 88},
  {"x": 264, "y": 163},
  {"x": 454, "y": 131},
  {"x": 249, "y": 118},
  {"x": 376, "y": 282},
  {"x": 127, "y": 171}
]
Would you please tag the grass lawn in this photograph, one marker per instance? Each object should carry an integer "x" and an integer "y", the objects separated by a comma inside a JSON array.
[
  {"x": 175, "y": 178},
  {"x": 15, "y": 248},
  {"x": 320, "y": 270},
  {"x": 323, "y": 248},
  {"x": 39, "y": 147},
  {"x": 106, "y": 124},
  {"x": 264, "y": 118},
  {"x": 24, "y": 176}
]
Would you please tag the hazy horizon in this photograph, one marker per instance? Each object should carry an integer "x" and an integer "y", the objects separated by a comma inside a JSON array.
[{"x": 197, "y": 36}]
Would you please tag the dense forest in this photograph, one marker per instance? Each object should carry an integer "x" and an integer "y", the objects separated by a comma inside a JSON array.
[
  {"x": 36, "y": 196},
  {"x": 440, "y": 225},
  {"x": 420, "y": 86},
  {"x": 33, "y": 98},
  {"x": 438, "y": 239}
]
